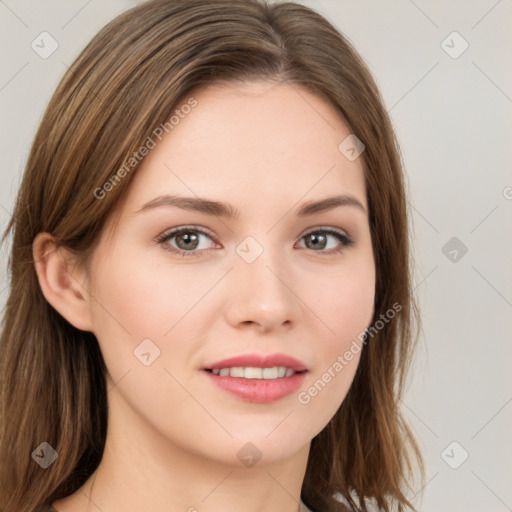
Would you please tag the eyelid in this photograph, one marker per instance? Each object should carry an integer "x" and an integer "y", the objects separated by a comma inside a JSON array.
[
  {"x": 326, "y": 229},
  {"x": 189, "y": 227},
  {"x": 206, "y": 231}
]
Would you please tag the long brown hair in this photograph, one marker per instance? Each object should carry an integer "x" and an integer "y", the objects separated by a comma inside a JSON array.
[{"x": 124, "y": 84}]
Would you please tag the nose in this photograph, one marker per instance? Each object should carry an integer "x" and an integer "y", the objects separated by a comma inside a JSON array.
[{"x": 262, "y": 296}]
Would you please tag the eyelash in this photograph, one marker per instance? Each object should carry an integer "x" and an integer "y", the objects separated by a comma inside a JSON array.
[{"x": 345, "y": 240}]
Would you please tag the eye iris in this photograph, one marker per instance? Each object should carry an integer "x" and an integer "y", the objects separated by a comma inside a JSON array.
[
  {"x": 319, "y": 241},
  {"x": 187, "y": 237}
]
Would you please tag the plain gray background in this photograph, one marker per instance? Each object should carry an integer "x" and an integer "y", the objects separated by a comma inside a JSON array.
[{"x": 453, "y": 117}]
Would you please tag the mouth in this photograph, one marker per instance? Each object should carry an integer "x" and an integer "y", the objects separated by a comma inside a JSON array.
[
  {"x": 251, "y": 372},
  {"x": 257, "y": 378}
]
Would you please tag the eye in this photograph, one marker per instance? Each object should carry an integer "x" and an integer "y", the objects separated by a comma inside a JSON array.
[
  {"x": 185, "y": 241},
  {"x": 191, "y": 241},
  {"x": 318, "y": 240}
]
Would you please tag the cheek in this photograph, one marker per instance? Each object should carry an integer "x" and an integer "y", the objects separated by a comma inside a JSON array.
[
  {"x": 344, "y": 301},
  {"x": 148, "y": 298},
  {"x": 157, "y": 301}
]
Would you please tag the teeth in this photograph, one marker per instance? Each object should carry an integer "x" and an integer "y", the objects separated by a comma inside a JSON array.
[
  {"x": 277, "y": 372},
  {"x": 253, "y": 373},
  {"x": 270, "y": 373},
  {"x": 237, "y": 371}
]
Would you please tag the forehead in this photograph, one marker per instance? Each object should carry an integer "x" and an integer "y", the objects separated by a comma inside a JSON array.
[{"x": 253, "y": 142}]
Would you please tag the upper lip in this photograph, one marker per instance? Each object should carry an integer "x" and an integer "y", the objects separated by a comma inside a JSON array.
[{"x": 259, "y": 361}]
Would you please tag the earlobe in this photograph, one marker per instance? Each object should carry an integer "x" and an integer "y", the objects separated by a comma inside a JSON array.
[{"x": 61, "y": 283}]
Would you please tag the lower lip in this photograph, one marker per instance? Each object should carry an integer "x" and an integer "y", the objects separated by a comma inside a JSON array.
[{"x": 262, "y": 391}]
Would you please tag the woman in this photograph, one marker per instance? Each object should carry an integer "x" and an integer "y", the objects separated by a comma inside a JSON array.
[{"x": 211, "y": 303}]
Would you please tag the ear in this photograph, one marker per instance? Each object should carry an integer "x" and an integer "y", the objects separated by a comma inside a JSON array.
[{"x": 61, "y": 283}]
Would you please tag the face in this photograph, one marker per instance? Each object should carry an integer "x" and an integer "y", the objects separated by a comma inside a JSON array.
[{"x": 182, "y": 286}]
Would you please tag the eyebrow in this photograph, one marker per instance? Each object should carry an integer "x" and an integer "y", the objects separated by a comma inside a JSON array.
[{"x": 210, "y": 207}]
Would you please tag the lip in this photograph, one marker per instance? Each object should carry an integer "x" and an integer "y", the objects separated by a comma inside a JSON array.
[
  {"x": 259, "y": 361},
  {"x": 261, "y": 391}
]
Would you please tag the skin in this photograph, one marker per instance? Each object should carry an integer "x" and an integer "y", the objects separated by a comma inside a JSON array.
[{"x": 173, "y": 437}]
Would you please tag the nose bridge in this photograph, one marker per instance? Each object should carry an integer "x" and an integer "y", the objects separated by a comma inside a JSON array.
[
  {"x": 261, "y": 292},
  {"x": 259, "y": 264}
]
